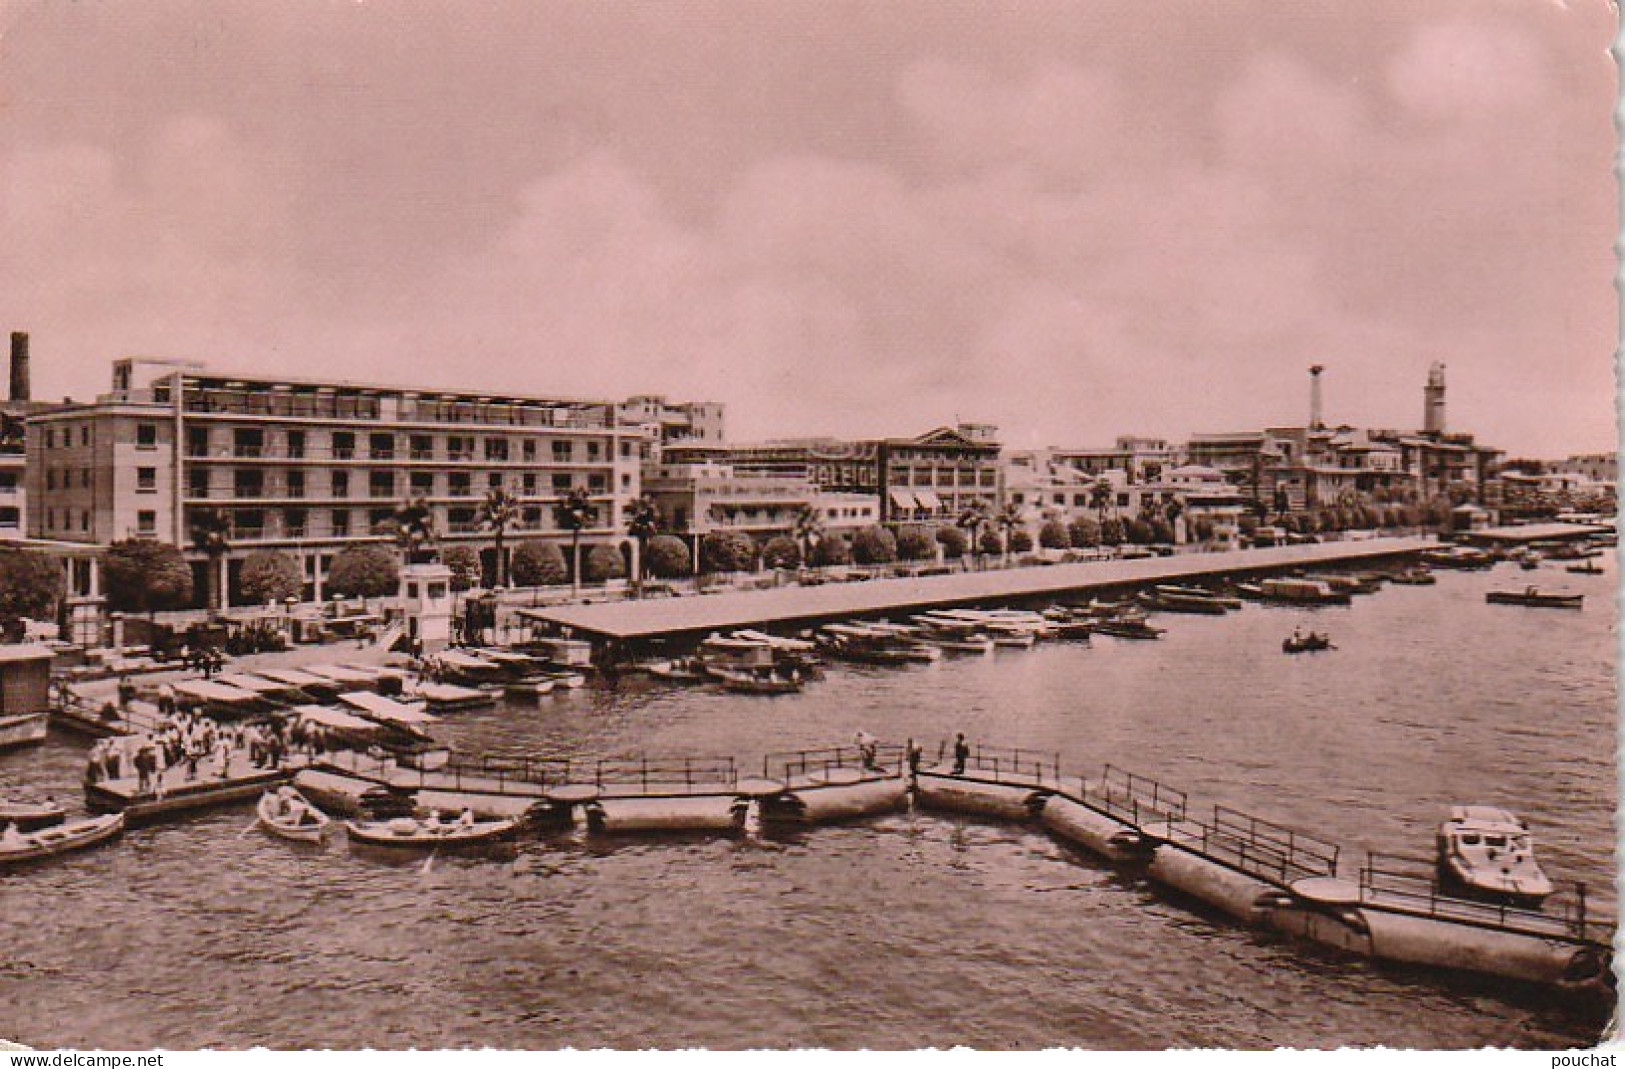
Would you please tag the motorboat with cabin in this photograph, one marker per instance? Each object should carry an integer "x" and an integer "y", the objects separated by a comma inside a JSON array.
[
  {"x": 1536, "y": 597},
  {"x": 1486, "y": 852},
  {"x": 1293, "y": 590}
]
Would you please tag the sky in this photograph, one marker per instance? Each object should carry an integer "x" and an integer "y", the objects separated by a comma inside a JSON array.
[{"x": 1074, "y": 219}]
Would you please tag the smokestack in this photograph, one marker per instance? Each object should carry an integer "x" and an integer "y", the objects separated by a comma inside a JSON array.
[
  {"x": 1315, "y": 422},
  {"x": 19, "y": 366},
  {"x": 1433, "y": 401}
]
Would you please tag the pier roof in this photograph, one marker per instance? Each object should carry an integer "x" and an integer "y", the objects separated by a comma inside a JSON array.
[
  {"x": 1538, "y": 532},
  {"x": 806, "y": 605}
]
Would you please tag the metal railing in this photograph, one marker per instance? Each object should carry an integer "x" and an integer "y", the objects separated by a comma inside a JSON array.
[
  {"x": 1136, "y": 799},
  {"x": 653, "y": 775},
  {"x": 1008, "y": 762},
  {"x": 783, "y": 766},
  {"x": 1410, "y": 885},
  {"x": 1299, "y": 851}
]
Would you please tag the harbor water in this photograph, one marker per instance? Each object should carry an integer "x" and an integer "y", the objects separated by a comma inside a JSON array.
[{"x": 910, "y": 930}]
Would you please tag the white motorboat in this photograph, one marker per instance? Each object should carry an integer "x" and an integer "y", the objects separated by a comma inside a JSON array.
[{"x": 1486, "y": 852}]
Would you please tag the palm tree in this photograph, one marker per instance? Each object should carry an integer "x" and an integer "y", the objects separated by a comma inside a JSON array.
[
  {"x": 211, "y": 536},
  {"x": 807, "y": 528},
  {"x": 642, "y": 523},
  {"x": 414, "y": 528},
  {"x": 974, "y": 518},
  {"x": 573, "y": 512},
  {"x": 1102, "y": 496},
  {"x": 1008, "y": 520},
  {"x": 497, "y": 513},
  {"x": 1171, "y": 511}
]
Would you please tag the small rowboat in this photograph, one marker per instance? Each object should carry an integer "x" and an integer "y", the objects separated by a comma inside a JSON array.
[
  {"x": 286, "y": 814},
  {"x": 1310, "y": 643},
  {"x": 59, "y": 839},
  {"x": 29, "y": 815},
  {"x": 427, "y": 835}
]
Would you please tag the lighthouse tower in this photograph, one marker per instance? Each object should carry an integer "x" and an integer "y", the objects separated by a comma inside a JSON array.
[{"x": 1433, "y": 401}]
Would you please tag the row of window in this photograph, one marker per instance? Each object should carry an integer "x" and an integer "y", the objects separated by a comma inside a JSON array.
[
  {"x": 969, "y": 477},
  {"x": 255, "y": 442},
  {"x": 343, "y": 523},
  {"x": 254, "y": 483},
  {"x": 314, "y": 405}
]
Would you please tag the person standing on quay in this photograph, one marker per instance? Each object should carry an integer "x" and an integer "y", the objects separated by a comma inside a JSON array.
[{"x": 961, "y": 753}]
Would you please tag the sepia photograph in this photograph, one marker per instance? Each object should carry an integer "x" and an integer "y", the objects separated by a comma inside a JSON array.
[{"x": 887, "y": 525}]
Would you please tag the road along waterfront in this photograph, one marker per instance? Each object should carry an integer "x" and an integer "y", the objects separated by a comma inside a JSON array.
[{"x": 903, "y": 931}]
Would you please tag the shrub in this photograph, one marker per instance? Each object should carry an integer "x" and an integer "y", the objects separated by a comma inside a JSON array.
[
  {"x": 1054, "y": 535},
  {"x": 667, "y": 557},
  {"x": 990, "y": 543},
  {"x": 874, "y": 545},
  {"x": 781, "y": 551},
  {"x": 727, "y": 551},
  {"x": 954, "y": 542},
  {"x": 30, "y": 585},
  {"x": 464, "y": 563},
  {"x": 538, "y": 563},
  {"x": 364, "y": 572},
  {"x": 1084, "y": 531},
  {"x": 269, "y": 575},
  {"x": 1111, "y": 532},
  {"x": 604, "y": 562},
  {"x": 145, "y": 576},
  {"x": 915, "y": 543},
  {"x": 1021, "y": 542},
  {"x": 832, "y": 550}
]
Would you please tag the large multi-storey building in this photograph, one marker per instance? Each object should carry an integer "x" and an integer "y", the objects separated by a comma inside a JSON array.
[
  {"x": 311, "y": 467},
  {"x": 698, "y": 498},
  {"x": 668, "y": 423}
]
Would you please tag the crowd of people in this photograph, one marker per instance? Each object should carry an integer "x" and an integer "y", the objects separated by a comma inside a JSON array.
[{"x": 200, "y": 746}]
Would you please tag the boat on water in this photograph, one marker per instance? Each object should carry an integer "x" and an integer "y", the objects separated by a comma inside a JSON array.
[
  {"x": 1229, "y": 601},
  {"x": 529, "y": 687},
  {"x": 1186, "y": 603},
  {"x": 23, "y": 729},
  {"x": 1313, "y": 642},
  {"x": 30, "y": 815},
  {"x": 1127, "y": 626},
  {"x": 1362, "y": 583},
  {"x": 287, "y": 814},
  {"x": 1534, "y": 596},
  {"x": 1290, "y": 590},
  {"x": 427, "y": 833},
  {"x": 868, "y": 644},
  {"x": 17, "y": 848},
  {"x": 1463, "y": 558},
  {"x": 742, "y": 681},
  {"x": 953, "y": 636},
  {"x": 1486, "y": 852},
  {"x": 1588, "y": 568},
  {"x": 447, "y": 697},
  {"x": 678, "y": 670}
]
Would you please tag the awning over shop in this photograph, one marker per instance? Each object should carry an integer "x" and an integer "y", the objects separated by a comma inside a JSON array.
[
  {"x": 929, "y": 501},
  {"x": 901, "y": 499}
]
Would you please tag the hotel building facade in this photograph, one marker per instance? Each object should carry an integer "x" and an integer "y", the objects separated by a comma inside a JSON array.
[{"x": 310, "y": 467}]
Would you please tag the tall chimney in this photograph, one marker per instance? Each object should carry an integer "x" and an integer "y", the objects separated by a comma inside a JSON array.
[
  {"x": 19, "y": 366},
  {"x": 1315, "y": 422},
  {"x": 1433, "y": 401}
]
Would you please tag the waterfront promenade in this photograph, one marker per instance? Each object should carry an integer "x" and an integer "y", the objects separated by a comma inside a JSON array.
[{"x": 689, "y": 616}]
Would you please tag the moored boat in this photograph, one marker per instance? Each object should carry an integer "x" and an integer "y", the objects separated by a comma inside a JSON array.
[
  {"x": 23, "y": 729},
  {"x": 1297, "y": 591},
  {"x": 1588, "y": 568},
  {"x": 1128, "y": 626},
  {"x": 1187, "y": 603},
  {"x": 17, "y": 848},
  {"x": 744, "y": 682},
  {"x": 427, "y": 834},
  {"x": 30, "y": 815},
  {"x": 1460, "y": 557},
  {"x": 285, "y": 813},
  {"x": 1417, "y": 576},
  {"x": 1534, "y": 596},
  {"x": 1487, "y": 852}
]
